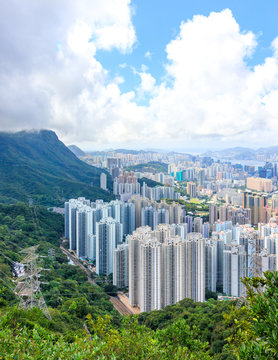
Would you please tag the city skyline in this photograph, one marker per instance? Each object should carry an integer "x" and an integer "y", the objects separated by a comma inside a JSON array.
[{"x": 129, "y": 74}]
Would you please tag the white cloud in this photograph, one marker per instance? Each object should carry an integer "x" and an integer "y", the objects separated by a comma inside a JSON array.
[
  {"x": 51, "y": 77},
  {"x": 148, "y": 55},
  {"x": 147, "y": 82},
  {"x": 213, "y": 92}
]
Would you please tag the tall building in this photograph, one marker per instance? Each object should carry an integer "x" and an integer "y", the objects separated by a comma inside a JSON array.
[
  {"x": 128, "y": 219},
  {"x": 191, "y": 189},
  {"x": 84, "y": 228},
  {"x": 109, "y": 234},
  {"x": 70, "y": 219},
  {"x": 257, "y": 204},
  {"x": 120, "y": 266},
  {"x": 195, "y": 262},
  {"x": 198, "y": 223},
  {"x": 213, "y": 214},
  {"x": 211, "y": 264},
  {"x": 205, "y": 230},
  {"x": 103, "y": 181},
  {"x": 134, "y": 262},
  {"x": 259, "y": 184},
  {"x": 163, "y": 268},
  {"x": 150, "y": 275},
  {"x": 235, "y": 267}
]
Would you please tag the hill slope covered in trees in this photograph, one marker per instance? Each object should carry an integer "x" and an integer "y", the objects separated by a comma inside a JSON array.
[{"x": 38, "y": 165}]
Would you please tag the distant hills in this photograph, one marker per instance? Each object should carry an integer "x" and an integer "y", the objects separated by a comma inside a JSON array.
[
  {"x": 38, "y": 165},
  {"x": 242, "y": 153},
  {"x": 76, "y": 150},
  {"x": 120, "y": 151}
]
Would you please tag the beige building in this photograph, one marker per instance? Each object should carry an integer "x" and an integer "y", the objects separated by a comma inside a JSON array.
[{"x": 259, "y": 184}]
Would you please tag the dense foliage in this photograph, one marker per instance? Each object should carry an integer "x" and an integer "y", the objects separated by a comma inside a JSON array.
[
  {"x": 131, "y": 341},
  {"x": 67, "y": 292},
  {"x": 207, "y": 317},
  {"x": 255, "y": 324},
  {"x": 152, "y": 167},
  {"x": 37, "y": 165},
  {"x": 149, "y": 182}
]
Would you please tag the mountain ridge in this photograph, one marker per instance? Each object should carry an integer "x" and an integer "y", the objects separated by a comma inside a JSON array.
[{"x": 40, "y": 166}]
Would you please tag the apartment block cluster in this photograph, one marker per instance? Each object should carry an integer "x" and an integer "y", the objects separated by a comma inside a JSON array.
[
  {"x": 162, "y": 178},
  {"x": 212, "y": 177},
  {"x": 164, "y": 255},
  {"x": 94, "y": 229},
  {"x": 164, "y": 265},
  {"x": 126, "y": 185},
  {"x": 164, "y": 268}
]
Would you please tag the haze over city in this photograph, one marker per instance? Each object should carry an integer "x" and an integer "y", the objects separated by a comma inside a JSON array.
[{"x": 110, "y": 74}]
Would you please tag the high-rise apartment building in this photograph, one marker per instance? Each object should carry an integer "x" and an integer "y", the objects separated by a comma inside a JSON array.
[
  {"x": 257, "y": 204},
  {"x": 163, "y": 268},
  {"x": 120, "y": 266},
  {"x": 198, "y": 223},
  {"x": 109, "y": 233},
  {"x": 103, "y": 181},
  {"x": 259, "y": 184},
  {"x": 191, "y": 189},
  {"x": 213, "y": 214},
  {"x": 211, "y": 264},
  {"x": 235, "y": 267}
]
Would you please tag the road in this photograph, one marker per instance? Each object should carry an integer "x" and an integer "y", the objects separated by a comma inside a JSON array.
[
  {"x": 77, "y": 263},
  {"x": 118, "y": 305}
]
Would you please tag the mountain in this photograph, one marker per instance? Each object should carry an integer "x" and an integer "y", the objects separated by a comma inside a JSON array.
[
  {"x": 76, "y": 150},
  {"x": 242, "y": 153},
  {"x": 38, "y": 165}
]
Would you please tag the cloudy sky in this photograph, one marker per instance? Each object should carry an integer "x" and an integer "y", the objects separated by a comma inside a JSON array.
[{"x": 141, "y": 74}]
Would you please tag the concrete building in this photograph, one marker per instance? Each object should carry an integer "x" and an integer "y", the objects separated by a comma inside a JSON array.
[
  {"x": 211, "y": 264},
  {"x": 191, "y": 189},
  {"x": 120, "y": 266},
  {"x": 163, "y": 268},
  {"x": 109, "y": 234},
  {"x": 259, "y": 184},
  {"x": 103, "y": 181},
  {"x": 213, "y": 214},
  {"x": 235, "y": 267}
]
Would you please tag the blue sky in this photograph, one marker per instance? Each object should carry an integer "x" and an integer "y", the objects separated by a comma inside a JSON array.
[
  {"x": 157, "y": 23},
  {"x": 179, "y": 75}
]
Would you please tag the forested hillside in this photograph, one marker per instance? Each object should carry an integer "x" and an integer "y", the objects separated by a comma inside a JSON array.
[
  {"x": 37, "y": 165},
  {"x": 152, "y": 166}
]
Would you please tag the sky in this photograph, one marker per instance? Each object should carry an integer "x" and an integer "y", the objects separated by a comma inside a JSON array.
[{"x": 174, "y": 75}]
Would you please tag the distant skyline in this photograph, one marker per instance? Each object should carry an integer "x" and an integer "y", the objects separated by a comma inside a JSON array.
[{"x": 141, "y": 74}]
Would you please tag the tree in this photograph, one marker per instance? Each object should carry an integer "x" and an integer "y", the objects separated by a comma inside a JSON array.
[{"x": 256, "y": 323}]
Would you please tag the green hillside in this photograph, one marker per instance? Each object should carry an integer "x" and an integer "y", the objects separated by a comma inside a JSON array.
[
  {"x": 38, "y": 165},
  {"x": 149, "y": 182},
  {"x": 152, "y": 166}
]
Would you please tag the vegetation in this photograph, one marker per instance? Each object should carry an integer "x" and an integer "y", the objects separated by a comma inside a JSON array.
[
  {"x": 149, "y": 182},
  {"x": 255, "y": 334},
  {"x": 207, "y": 317},
  {"x": 152, "y": 167},
  {"x": 67, "y": 291},
  {"x": 131, "y": 341},
  {"x": 39, "y": 166},
  {"x": 190, "y": 206}
]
